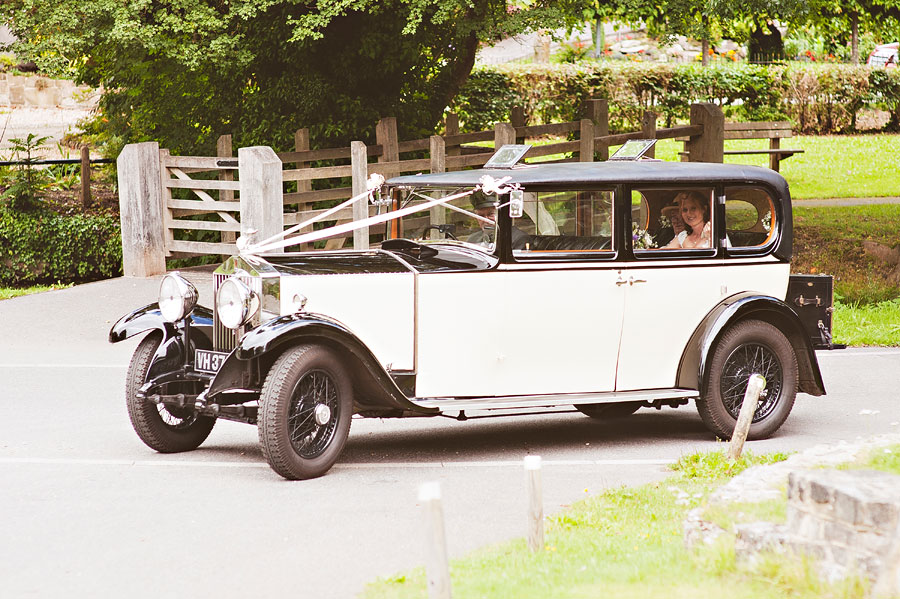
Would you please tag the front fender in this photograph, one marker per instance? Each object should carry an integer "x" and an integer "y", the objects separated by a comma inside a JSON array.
[
  {"x": 149, "y": 317},
  {"x": 693, "y": 369},
  {"x": 374, "y": 386}
]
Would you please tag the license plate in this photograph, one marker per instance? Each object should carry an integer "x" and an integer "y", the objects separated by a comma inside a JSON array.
[{"x": 208, "y": 361}]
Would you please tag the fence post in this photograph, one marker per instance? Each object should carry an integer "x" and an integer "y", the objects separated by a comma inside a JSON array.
[
  {"x": 710, "y": 145},
  {"x": 143, "y": 241},
  {"x": 517, "y": 119},
  {"x": 648, "y": 130},
  {"x": 742, "y": 427},
  {"x": 301, "y": 144},
  {"x": 438, "y": 165},
  {"x": 598, "y": 111},
  {"x": 85, "y": 176},
  {"x": 386, "y": 137},
  {"x": 451, "y": 127},
  {"x": 262, "y": 204},
  {"x": 535, "y": 503},
  {"x": 359, "y": 168},
  {"x": 437, "y": 567},
  {"x": 224, "y": 149},
  {"x": 504, "y": 133},
  {"x": 586, "y": 149}
]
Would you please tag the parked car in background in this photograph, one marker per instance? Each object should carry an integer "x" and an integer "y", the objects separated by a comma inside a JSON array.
[
  {"x": 604, "y": 287},
  {"x": 885, "y": 56}
]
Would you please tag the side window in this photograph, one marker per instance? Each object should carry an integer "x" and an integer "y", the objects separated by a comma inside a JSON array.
[
  {"x": 749, "y": 217},
  {"x": 564, "y": 221},
  {"x": 442, "y": 222},
  {"x": 672, "y": 219}
]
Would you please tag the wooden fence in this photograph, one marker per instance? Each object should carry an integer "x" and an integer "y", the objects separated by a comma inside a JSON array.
[{"x": 160, "y": 200}]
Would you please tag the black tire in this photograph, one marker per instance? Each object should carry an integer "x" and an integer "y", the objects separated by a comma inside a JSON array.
[
  {"x": 609, "y": 411},
  {"x": 751, "y": 346},
  {"x": 167, "y": 430},
  {"x": 296, "y": 443}
]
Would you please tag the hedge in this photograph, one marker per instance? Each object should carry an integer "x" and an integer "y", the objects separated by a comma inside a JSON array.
[
  {"x": 816, "y": 98},
  {"x": 43, "y": 247}
]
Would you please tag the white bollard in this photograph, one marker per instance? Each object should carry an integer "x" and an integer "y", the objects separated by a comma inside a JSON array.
[
  {"x": 742, "y": 428},
  {"x": 535, "y": 503},
  {"x": 437, "y": 567}
]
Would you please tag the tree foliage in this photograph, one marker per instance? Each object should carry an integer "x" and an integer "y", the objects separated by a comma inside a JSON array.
[{"x": 183, "y": 72}]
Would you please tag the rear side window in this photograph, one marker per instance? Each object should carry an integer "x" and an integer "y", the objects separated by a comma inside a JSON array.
[
  {"x": 564, "y": 222},
  {"x": 676, "y": 218},
  {"x": 749, "y": 217}
]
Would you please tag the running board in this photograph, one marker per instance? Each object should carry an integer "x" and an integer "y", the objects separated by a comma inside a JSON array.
[{"x": 518, "y": 402}]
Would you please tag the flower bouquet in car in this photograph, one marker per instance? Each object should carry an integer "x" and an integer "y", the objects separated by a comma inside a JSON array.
[{"x": 641, "y": 238}]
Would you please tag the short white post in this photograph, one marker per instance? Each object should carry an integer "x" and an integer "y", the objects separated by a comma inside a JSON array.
[
  {"x": 751, "y": 399},
  {"x": 535, "y": 503},
  {"x": 262, "y": 200},
  {"x": 437, "y": 567}
]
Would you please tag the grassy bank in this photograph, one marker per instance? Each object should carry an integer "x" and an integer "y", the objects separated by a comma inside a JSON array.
[
  {"x": 830, "y": 240},
  {"x": 831, "y": 166},
  {"x": 628, "y": 543}
]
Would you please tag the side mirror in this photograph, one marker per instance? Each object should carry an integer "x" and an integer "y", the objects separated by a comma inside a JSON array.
[{"x": 516, "y": 203}]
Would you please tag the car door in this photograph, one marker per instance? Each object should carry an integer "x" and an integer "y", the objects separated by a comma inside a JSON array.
[
  {"x": 670, "y": 288},
  {"x": 547, "y": 323}
]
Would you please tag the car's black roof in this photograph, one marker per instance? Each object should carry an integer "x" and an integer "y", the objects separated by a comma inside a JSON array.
[{"x": 607, "y": 173}]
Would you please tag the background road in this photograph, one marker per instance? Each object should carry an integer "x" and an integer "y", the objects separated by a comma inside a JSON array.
[{"x": 89, "y": 511}]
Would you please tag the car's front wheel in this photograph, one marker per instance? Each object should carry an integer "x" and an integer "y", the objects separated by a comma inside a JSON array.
[
  {"x": 750, "y": 347},
  {"x": 304, "y": 414},
  {"x": 165, "y": 429}
]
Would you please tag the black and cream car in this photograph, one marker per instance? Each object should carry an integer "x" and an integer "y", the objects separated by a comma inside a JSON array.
[{"x": 496, "y": 291}]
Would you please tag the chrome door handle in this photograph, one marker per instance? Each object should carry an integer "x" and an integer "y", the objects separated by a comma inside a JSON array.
[{"x": 631, "y": 281}]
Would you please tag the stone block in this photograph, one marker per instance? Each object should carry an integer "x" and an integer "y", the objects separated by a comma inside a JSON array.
[
  {"x": 881, "y": 515},
  {"x": 838, "y": 532},
  {"x": 847, "y": 506},
  {"x": 819, "y": 492},
  {"x": 17, "y": 95},
  {"x": 32, "y": 96}
]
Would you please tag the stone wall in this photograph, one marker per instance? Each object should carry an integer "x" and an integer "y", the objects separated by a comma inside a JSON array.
[
  {"x": 18, "y": 91},
  {"x": 847, "y": 520}
]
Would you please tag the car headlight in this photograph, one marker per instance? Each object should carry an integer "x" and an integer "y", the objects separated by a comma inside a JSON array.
[
  {"x": 177, "y": 297},
  {"x": 235, "y": 303}
]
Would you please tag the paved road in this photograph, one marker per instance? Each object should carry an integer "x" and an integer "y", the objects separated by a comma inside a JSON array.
[{"x": 89, "y": 511}]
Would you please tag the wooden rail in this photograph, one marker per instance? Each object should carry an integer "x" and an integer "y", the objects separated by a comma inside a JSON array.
[{"x": 211, "y": 193}]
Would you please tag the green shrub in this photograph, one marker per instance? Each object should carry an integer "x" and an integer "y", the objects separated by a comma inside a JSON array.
[
  {"x": 44, "y": 247},
  {"x": 817, "y": 98}
]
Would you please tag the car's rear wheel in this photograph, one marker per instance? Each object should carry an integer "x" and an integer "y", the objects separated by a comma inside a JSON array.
[
  {"x": 750, "y": 347},
  {"x": 609, "y": 411},
  {"x": 165, "y": 429},
  {"x": 304, "y": 413}
]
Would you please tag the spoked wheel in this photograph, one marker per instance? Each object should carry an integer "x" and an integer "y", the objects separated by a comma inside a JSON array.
[
  {"x": 609, "y": 411},
  {"x": 752, "y": 346},
  {"x": 304, "y": 413},
  {"x": 165, "y": 429}
]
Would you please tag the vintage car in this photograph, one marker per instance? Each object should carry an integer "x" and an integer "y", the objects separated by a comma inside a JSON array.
[{"x": 496, "y": 291}]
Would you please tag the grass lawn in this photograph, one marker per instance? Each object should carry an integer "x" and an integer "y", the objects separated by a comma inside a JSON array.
[
  {"x": 628, "y": 543},
  {"x": 8, "y": 292},
  {"x": 832, "y": 166}
]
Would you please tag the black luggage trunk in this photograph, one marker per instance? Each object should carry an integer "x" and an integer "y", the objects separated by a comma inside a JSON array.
[{"x": 812, "y": 298}]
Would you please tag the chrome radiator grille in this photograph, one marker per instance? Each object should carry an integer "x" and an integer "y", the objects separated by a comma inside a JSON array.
[{"x": 225, "y": 339}]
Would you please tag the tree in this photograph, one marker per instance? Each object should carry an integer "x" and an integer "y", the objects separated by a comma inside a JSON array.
[
  {"x": 183, "y": 72},
  {"x": 844, "y": 20}
]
